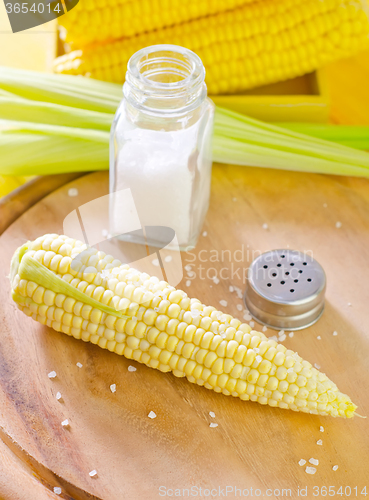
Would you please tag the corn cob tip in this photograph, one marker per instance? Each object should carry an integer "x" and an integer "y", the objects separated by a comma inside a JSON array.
[{"x": 163, "y": 328}]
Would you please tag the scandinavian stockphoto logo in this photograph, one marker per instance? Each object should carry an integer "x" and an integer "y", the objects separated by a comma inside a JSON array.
[
  {"x": 26, "y": 15},
  {"x": 111, "y": 224}
]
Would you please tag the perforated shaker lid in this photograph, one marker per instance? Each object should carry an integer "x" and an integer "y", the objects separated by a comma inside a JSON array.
[{"x": 285, "y": 289}]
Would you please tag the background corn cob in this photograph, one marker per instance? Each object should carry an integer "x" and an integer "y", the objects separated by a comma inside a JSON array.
[
  {"x": 95, "y": 21},
  {"x": 165, "y": 328},
  {"x": 256, "y": 44}
]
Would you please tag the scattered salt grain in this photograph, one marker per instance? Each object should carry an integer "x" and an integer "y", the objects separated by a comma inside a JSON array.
[
  {"x": 152, "y": 414},
  {"x": 223, "y": 303},
  {"x": 291, "y": 334},
  {"x": 59, "y": 396},
  {"x": 317, "y": 366},
  {"x": 273, "y": 337},
  {"x": 168, "y": 258},
  {"x": 105, "y": 233},
  {"x": 204, "y": 234},
  {"x": 338, "y": 224},
  {"x": 93, "y": 473},
  {"x": 212, "y": 414},
  {"x": 188, "y": 282},
  {"x": 213, "y": 425},
  {"x": 302, "y": 462},
  {"x": 72, "y": 192},
  {"x": 51, "y": 374},
  {"x": 239, "y": 292},
  {"x": 265, "y": 328},
  {"x": 319, "y": 337},
  {"x": 335, "y": 334},
  {"x": 113, "y": 388},
  {"x": 314, "y": 461},
  {"x": 132, "y": 368},
  {"x": 321, "y": 428},
  {"x": 155, "y": 262},
  {"x": 79, "y": 365},
  {"x": 310, "y": 470},
  {"x": 57, "y": 490},
  {"x": 239, "y": 307},
  {"x": 320, "y": 442},
  {"x": 247, "y": 317},
  {"x": 65, "y": 423},
  {"x": 215, "y": 280},
  {"x": 188, "y": 267},
  {"x": 282, "y": 337},
  {"x": 231, "y": 289},
  {"x": 258, "y": 358},
  {"x": 252, "y": 324},
  {"x": 335, "y": 467},
  {"x": 265, "y": 226}
]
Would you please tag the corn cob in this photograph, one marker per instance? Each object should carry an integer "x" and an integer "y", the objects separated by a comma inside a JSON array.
[
  {"x": 90, "y": 296},
  {"x": 96, "y": 21},
  {"x": 256, "y": 44}
]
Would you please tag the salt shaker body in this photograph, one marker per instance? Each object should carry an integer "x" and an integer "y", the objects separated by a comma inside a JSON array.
[{"x": 161, "y": 143}]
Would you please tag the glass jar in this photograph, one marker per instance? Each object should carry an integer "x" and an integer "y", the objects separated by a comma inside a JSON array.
[{"x": 160, "y": 144}]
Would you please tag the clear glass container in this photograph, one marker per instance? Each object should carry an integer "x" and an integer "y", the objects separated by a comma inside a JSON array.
[{"x": 160, "y": 145}]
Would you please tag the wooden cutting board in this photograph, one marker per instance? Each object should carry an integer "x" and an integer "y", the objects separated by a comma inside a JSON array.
[{"x": 253, "y": 446}]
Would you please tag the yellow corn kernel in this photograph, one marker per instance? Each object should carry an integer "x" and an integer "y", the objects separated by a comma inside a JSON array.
[
  {"x": 293, "y": 390},
  {"x": 252, "y": 376},
  {"x": 272, "y": 384},
  {"x": 265, "y": 366},
  {"x": 249, "y": 357}
]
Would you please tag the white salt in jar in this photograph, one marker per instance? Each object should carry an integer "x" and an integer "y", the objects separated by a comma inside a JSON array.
[{"x": 161, "y": 141}]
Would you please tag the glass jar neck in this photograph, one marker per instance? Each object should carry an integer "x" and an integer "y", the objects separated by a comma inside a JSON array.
[{"x": 165, "y": 79}]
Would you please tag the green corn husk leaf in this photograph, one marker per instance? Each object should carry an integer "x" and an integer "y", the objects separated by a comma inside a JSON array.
[
  {"x": 19, "y": 109},
  {"x": 38, "y": 149},
  {"x": 30, "y": 269},
  {"x": 79, "y": 110},
  {"x": 348, "y": 135},
  {"x": 256, "y": 133},
  {"x": 237, "y": 153},
  {"x": 74, "y": 91}
]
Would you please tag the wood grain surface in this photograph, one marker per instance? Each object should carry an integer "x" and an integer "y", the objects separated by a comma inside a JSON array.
[{"x": 253, "y": 446}]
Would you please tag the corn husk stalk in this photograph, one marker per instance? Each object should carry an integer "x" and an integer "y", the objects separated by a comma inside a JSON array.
[
  {"x": 77, "y": 92},
  {"x": 353, "y": 136},
  {"x": 245, "y": 141},
  {"x": 60, "y": 123},
  {"x": 15, "y": 108},
  {"x": 39, "y": 149}
]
